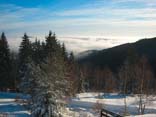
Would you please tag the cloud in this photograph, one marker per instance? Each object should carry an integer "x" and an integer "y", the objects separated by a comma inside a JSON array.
[
  {"x": 145, "y": 2},
  {"x": 110, "y": 13},
  {"x": 78, "y": 44},
  {"x": 12, "y": 13},
  {"x": 32, "y": 18}
]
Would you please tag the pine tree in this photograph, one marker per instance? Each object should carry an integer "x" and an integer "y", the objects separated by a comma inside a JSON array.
[
  {"x": 25, "y": 51},
  {"x": 44, "y": 77},
  {"x": 25, "y": 54},
  {"x": 49, "y": 85},
  {"x": 64, "y": 52},
  {"x": 14, "y": 69},
  {"x": 81, "y": 82},
  {"x": 37, "y": 55},
  {"x": 71, "y": 58},
  {"x": 5, "y": 63},
  {"x": 28, "y": 79},
  {"x": 34, "y": 84},
  {"x": 25, "y": 58},
  {"x": 51, "y": 46},
  {"x": 45, "y": 81},
  {"x": 72, "y": 75}
]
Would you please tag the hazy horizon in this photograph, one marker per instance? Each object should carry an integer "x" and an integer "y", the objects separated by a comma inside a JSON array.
[{"x": 79, "y": 44}]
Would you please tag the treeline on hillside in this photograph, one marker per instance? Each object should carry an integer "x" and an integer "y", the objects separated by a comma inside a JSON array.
[
  {"x": 124, "y": 67},
  {"x": 44, "y": 70},
  {"x": 114, "y": 57},
  {"x": 134, "y": 76}
]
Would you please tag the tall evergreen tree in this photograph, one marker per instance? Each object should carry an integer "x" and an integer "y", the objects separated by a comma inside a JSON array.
[
  {"x": 25, "y": 57},
  {"x": 46, "y": 84},
  {"x": 81, "y": 82},
  {"x": 75, "y": 76},
  {"x": 51, "y": 46},
  {"x": 45, "y": 81},
  {"x": 71, "y": 57},
  {"x": 5, "y": 63},
  {"x": 37, "y": 55},
  {"x": 25, "y": 52},
  {"x": 64, "y": 52},
  {"x": 14, "y": 69}
]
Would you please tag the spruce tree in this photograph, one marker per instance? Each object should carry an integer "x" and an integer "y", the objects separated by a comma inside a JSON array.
[
  {"x": 44, "y": 81},
  {"x": 37, "y": 52},
  {"x": 14, "y": 69},
  {"x": 25, "y": 52},
  {"x": 46, "y": 85},
  {"x": 5, "y": 63},
  {"x": 72, "y": 75},
  {"x": 64, "y": 52},
  {"x": 25, "y": 57},
  {"x": 71, "y": 58},
  {"x": 51, "y": 46}
]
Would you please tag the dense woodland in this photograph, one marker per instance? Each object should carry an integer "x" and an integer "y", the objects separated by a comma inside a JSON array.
[{"x": 47, "y": 72}]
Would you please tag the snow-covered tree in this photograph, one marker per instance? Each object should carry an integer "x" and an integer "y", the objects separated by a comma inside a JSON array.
[
  {"x": 46, "y": 81},
  {"x": 49, "y": 87}
]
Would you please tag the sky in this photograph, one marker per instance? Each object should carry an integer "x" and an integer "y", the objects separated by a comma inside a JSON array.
[{"x": 80, "y": 24}]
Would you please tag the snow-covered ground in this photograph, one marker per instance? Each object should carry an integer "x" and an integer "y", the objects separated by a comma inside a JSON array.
[
  {"x": 11, "y": 105},
  {"x": 83, "y": 104}
]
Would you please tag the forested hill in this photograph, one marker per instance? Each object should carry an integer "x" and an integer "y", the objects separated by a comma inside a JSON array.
[{"x": 115, "y": 56}]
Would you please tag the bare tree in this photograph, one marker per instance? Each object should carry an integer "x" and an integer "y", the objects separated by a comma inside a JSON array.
[
  {"x": 110, "y": 81},
  {"x": 145, "y": 77},
  {"x": 124, "y": 76},
  {"x": 104, "y": 80}
]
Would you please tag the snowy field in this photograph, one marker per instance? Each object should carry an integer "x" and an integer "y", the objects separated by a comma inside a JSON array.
[
  {"x": 12, "y": 105},
  {"x": 83, "y": 105}
]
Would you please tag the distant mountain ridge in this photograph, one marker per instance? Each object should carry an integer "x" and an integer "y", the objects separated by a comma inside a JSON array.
[
  {"x": 115, "y": 56},
  {"x": 84, "y": 54}
]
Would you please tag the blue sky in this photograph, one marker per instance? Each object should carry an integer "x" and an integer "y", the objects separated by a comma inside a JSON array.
[{"x": 81, "y": 24}]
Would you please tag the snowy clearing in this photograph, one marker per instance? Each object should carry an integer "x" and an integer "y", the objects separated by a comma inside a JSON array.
[
  {"x": 83, "y": 104},
  {"x": 11, "y": 105},
  {"x": 80, "y": 106}
]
